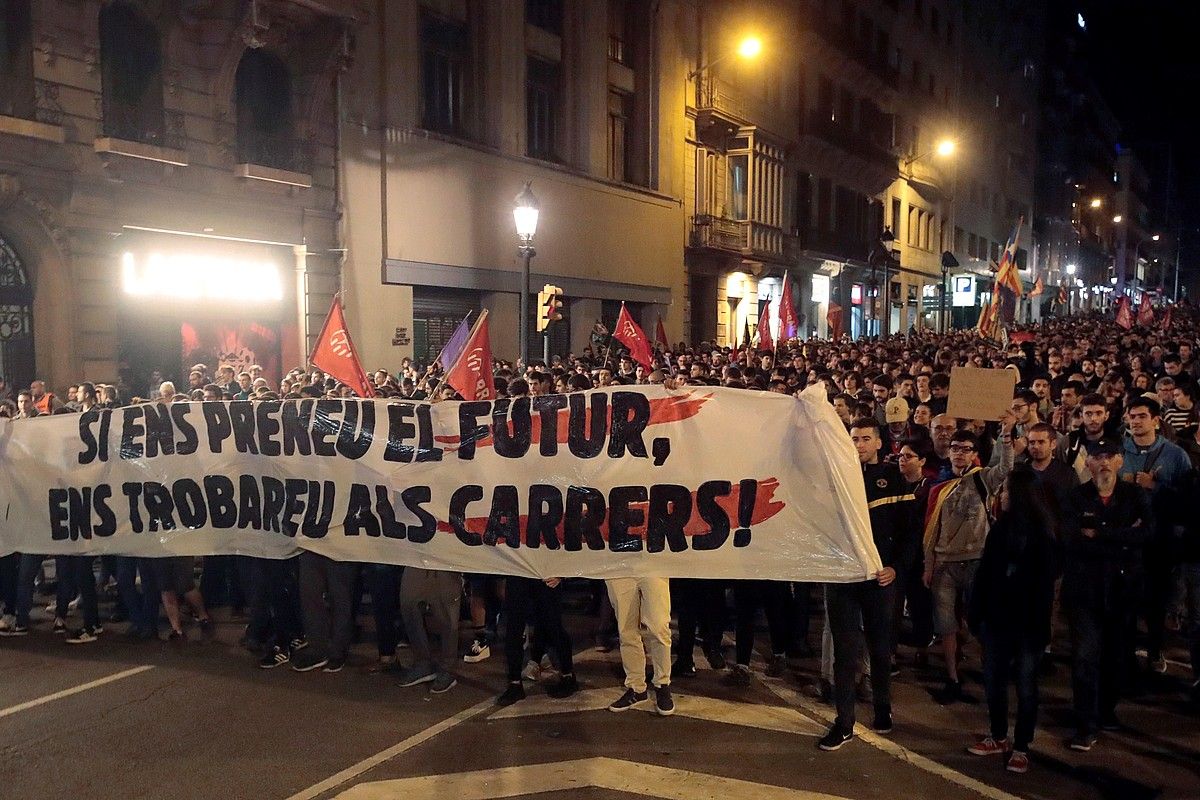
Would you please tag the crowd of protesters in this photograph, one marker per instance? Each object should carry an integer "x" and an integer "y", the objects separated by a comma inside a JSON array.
[{"x": 1069, "y": 514}]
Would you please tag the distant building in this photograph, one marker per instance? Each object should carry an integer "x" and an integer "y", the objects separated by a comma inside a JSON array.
[{"x": 167, "y": 185}]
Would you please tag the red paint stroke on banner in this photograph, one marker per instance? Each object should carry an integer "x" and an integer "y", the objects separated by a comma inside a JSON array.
[
  {"x": 662, "y": 411},
  {"x": 765, "y": 507}
]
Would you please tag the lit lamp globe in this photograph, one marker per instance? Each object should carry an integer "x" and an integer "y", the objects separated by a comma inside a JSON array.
[{"x": 525, "y": 214}]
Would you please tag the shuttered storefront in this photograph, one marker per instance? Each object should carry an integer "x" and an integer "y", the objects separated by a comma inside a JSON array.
[{"x": 436, "y": 313}]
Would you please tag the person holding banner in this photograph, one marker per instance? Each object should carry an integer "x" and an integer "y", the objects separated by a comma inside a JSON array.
[
  {"x": 867, "y": 607},
  {"x": 531, "y": 600},
  {"x": 643, "y": 603}
]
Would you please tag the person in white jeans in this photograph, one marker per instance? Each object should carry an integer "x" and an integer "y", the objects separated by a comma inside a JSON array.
[{"x": 643, "y": 611}]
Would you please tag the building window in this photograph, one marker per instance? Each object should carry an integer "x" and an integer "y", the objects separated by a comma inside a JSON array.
[
  {"x": 739, "y": 185},
  {"x": 131, "y": 75},
  {"x": 896, "y": 217},
  {"x": 16, "y": 59},
  {"x": 445, "y": 74},
  {"x": 543, "y": 101},
  {"x": 545, "y": 14},
  {"x": 826, "y": 104},
  {"x": 958, "y": 240},
  {"x": 263, "y": 96},
  {"x": 972, "y": 245},
  {"x": 619, "y": 39},
  {"x": 620, "y": 130}
]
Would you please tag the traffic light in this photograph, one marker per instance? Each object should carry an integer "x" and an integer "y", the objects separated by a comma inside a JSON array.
[{"x": 550, "y": 302}]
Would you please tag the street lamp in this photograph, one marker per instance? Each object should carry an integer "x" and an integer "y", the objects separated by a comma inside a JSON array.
[
  {"x": 943, "y": 149},
  {"x": 525, "y": 215},
  {"x": 1070, "y": 269},
  {"x": 1096, "y": 202},
  {"x": 749, "y": 47},
  {"x": 1117, "y": 219}
]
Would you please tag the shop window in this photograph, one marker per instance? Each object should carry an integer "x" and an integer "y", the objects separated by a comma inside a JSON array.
[
  {"x": 545, "y": 14},
  {"x": 445, "y": 74},
  {"x": 739, "y": 181},
  {"x": 131, "y": 75},
  {"x": 264, "y": 112},
  {"x": 16, "y": 60},
  {"x": 543, "y": 104}
]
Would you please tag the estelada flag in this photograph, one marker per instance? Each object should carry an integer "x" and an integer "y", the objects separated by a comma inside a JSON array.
[
  {"x": 630, "y": 334},
  {"x": 334, "y": 353},
  {"x": 789, "y": 322},
  {"x": 660, "y": 336},
  {"x": 1061, "y": 300},
  {"x": 1124, "y": 314},
  {"x": 1006, "y": 270},
  {"x": 1039, "y": 286},
  {"x": 765, "y": 342},
  {"x": 471, "y": 373},
  {"x": 1165, "y": 321},
  {"x": 1145, "y": 315}
]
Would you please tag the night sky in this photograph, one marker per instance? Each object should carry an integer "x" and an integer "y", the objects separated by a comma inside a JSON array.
[{"x": 1146, "y": 58}]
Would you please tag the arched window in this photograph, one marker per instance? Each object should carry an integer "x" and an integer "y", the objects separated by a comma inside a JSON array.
[
  {"x": 16, "y": 59},
  {"x": 131, "y": 72},
  {"x": 16, "y": 319},
  {"x": 263, "y": 96}
]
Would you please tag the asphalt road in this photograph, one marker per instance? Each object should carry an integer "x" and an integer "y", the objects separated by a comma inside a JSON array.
[{"x": 126, "y": 719}]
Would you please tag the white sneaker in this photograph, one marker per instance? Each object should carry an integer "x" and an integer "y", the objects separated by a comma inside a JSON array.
[{"x": 480, "y": 651}]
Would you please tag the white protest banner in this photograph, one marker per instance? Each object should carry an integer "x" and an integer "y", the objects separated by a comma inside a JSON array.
[
  {"x": 624, "y": 481},
  {"x": 980, "y": 393}
]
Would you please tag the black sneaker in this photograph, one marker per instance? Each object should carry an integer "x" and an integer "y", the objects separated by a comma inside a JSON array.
[
  {"x": 334, "y": 664},
  {"x": 83, "y": 636},
  {"x": 205, "y": 625},
  {"x": 952, "y": 692},
  {"x": 514, "y": 693},
  {"x": 883, "y": 720},
  {"x": 663, "y": 703},
  {"x": 776, "y": 667},
  {"x": 297, "y": 644},
  {"x": 683, "y": 669},
  {"x": 715, "y": 659},
  {"x": 895, "y": 672},
  {"x": 177, "y": 637},
  {"x": 276, "y": 658},
  {"x": 1082, "y": 742},
  {"x": 566, "y": 686},
  {"x": 738, "y": 676},
  {"x": 307, "y": 661},
  {"x": 834, "y": 739},
  {"x": 59, "y": 626},
  {"x": 16, "y": 630},
  {"x": 628, "y": 700}
]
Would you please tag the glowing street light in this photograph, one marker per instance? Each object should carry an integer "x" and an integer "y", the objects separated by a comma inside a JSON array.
[
  {"x": 1117, "y": 219},
  {"x": 1156, "y": 237},
  {"x": 1096, "y": 202},
  {"x": 945, "y": 148},
  {"x": 1070, "y": 269},
  {"x": 750, "y": 47}
]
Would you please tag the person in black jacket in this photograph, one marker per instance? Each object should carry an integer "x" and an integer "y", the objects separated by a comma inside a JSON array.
[
  {"x": 870, "y": 603},
  {"x": 1011, "y": 604},
  {"x": 1106, "y": 530},
  {"x": 1185, "y": 530}
]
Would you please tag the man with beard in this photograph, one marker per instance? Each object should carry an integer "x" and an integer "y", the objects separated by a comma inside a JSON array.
[{"x": 1072, "y": 449}]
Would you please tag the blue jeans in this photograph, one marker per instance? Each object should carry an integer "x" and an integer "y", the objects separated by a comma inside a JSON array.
[{"x": 1007, "y": 658}]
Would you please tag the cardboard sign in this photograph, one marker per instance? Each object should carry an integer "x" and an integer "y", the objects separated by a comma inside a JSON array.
[{"x": 980, "y": 393}]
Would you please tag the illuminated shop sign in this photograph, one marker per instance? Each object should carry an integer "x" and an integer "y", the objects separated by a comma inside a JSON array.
[
  {"x": 964, "y": 290},
  {"x": 194, "y": 277}
]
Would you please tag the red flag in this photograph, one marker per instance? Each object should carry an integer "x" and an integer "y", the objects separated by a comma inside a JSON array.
[
  {"x": 1145, "y": 315},
  {"x": 471, "y": 374},
  {"x": 630, "y": 334},
  {"x": 789, "y": 322},
  {"x": 660, "y": 336},
  {"x": 1039, "y": 286},
  {"x": 334, "y": 353},
  {"x": 765, "y": 342},
  {"x": 1124, "y": 313},
  {"x": 1165, "y": 321},
  {"x": 834, "y": 318},
  {"x": 1020, "y": 337}
]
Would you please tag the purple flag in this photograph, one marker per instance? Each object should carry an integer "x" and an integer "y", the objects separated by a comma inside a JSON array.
[{"x": 454, "y": 347}]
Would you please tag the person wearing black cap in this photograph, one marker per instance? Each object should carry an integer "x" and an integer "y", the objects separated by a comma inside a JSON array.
[{"x": 1105, "y": 531}]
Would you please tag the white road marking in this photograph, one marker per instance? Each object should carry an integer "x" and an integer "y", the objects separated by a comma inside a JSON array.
[
  {"x": 352, "y": 772},
  {"x": 791, "y": 696},
  {"x": 613, "y": 774},
  {"x": 754, "y": 715},
  {"x": 83, "y": 687}
]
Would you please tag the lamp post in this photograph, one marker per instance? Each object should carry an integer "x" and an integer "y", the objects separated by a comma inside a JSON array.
[
  {"x": 525, "y": 215},
  {"x": 1071, "y": 293},
  {"x": 949, "y": 262},
  {"x": 886, "y": 240}
]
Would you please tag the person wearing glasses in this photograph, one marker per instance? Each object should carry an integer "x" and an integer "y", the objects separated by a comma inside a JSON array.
[{"x": 958, "y": 522}]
